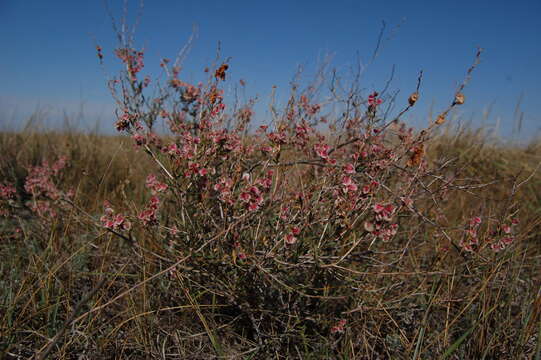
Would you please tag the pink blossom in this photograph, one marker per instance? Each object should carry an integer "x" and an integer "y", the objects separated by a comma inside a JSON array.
[
  {"x": 349, "y": 184},
  {"x": 155, "y": 186},
  {"x": 496, "y": 247},
  {"x": 322, "y": 150},
  {"x": 507, "y": 240},
  {"x": 245, "y": 196},
  {"x": 7, "y": 191},
  {"x": 373, "y": 100},
  {"x": 475, "y": 221},
  {"x": 255, "y": 190},
  {"x": 139, "y": 139},
  {"x": 266, "y": 183},
  {"x": 339, "y": 327},
  {"x": 349, "y": 169},
  {"x": 253, "y": 206},
  {"x": 290, "y": 239}
]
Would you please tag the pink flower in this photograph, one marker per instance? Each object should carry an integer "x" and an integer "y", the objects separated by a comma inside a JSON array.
[
  {"x": 322, "y": 150},
  {"x": 139, "y": 139},
  {"x": 378, "y": 208},
  {"x": 339, "y": 327},
  {"x": 290, "y": 239},
  {"x": 349, "y": 169},
  {"x": 118, "y": 220},
  {"x": 253, "y": 206},
  {"x": 266, "y": 182},
  {"x": 154, "y": 201},
  {"x": 373, "y": 100},
  {"x": 7, "y": 191},
  {"x": 475, "y": 221},
  {"x": 496, "y": 247},
  {"x": 255, "y": 190},
  {"x": 245, "y": 196},
  {"x": 507, "y": 240},
  {"x": 349, "y": 184},
  {"x": 506, "y": 229},
  {"x": 295, "y": 230},
  {"x": 155, "y": 186}
]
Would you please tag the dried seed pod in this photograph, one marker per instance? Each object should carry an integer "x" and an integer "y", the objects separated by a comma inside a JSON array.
[
  {"x": 416, "y": 156},
  {"x": 413, "y": 98},
  {"x": 440, "y": 120},
  {"x": 459, "y": 99},
  {"x": 220, "y": 72}
]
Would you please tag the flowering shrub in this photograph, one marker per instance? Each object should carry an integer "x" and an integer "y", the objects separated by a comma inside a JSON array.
[
  {"x": 285, "y": 222},
  {"x": 315, "y": 235}
]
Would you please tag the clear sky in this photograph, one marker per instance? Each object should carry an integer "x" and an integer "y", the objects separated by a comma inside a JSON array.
[{"x": 48, "y": 55}]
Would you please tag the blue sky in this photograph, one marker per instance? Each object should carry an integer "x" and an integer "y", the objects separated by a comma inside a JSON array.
[{"x": 48, "y": 56}]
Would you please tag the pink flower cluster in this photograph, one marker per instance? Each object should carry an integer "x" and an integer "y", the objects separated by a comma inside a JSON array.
[
  {"x": 339, "y": 327},
  {"x": 223, "y": 187},
  {"x": 373, "y": 100},
  {"x": 113, "y": 221},
  {"x": 384, "y": 212},
  {"x": 291, "y": 237},
  {"x": 499, "y": 240},
  {"x": 154, "y": 185},
  {"x": 148, "y": 216},
  {"x": 322, "y": 150},
  {"x": 381, "y": 226},
  {"x": 126, "y": 121},
  {"x": 133, "y": 60},
  {"x": 7, "y": 192},
  {"x": 348, "y": 184},
  {"x": 252, "y": 195},
  {"x": 310, "y": 110},
  {"x": 40, "y": 184},
  {"x": 506, "y": 237}
]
